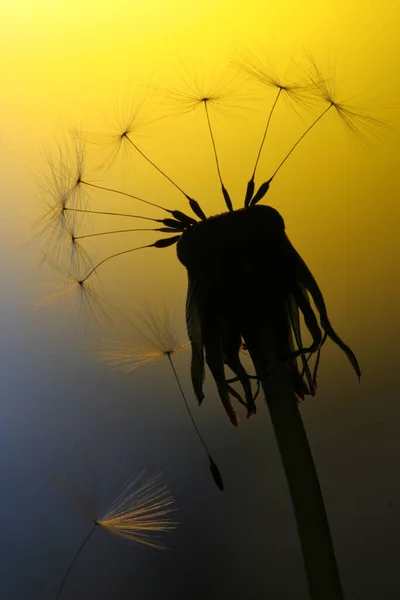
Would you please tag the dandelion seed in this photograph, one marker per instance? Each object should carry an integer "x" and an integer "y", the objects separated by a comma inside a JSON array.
[
  {"x": 68, "y": 205},
  {"x": 66, "y": 170},
  {"x": 195, "y": 94},
  {"x": 218, "y": 90},
  {"x": 314, "y": 87},
  {"x": 91, "y": 303},
  {"x": 138, "y": 513},
  {"x": 124, "y": 136},
  {"x": 357, "y": 120},
  {"x": 61, "y": 190},
  {"x": 260, "y": 70},
  {"x": 161, "y": 335},
  {"x": 159, "y": 332},
  {"x": 59, "y": 291},
  {"x": 128, "y": 118}
]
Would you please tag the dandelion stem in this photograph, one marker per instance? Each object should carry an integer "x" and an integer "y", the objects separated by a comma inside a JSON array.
[
  {"x": 302, "y": 478},
  {"x": 213, "y": 467},
  {"x": 74, "y": 560}
]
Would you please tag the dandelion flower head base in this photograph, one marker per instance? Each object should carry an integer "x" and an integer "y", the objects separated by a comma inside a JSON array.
[{"x": 248, "y": 283}]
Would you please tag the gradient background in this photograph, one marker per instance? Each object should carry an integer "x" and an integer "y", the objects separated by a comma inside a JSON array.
[{"x": 68, "y": 63}]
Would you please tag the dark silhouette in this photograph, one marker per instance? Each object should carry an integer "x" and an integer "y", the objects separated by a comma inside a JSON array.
[
  {"x": 246, "y": 281},
  {"x": 247, "y": 289}
]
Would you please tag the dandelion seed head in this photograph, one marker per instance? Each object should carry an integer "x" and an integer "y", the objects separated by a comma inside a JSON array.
[
  {"x": 139, "y": 510},
  {"x": 220, "y": 91},
  {"x": 91, "y": 306},
  {"x": 127, "y": 358},
  {"x": 62, "y": 193},
  {"x": 157, "y": 329},
  {"x": 58, "y": 292},
  {"x": 128, "y": 122},
  {"x": 140, "y": 513},
  {"x": 260, "y": 70},
  {"x": 160, "y": 330},
  {"x": 65, "y": 168},
  {"x": 357, "y": 120}
]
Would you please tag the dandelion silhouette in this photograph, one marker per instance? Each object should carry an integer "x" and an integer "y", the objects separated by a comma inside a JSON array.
[
  {"x": 138, "y": 513},
  {"x": 163, "y": 341},
  {"x": 248, "y": 287}
]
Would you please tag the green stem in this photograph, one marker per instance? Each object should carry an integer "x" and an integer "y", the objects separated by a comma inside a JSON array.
[{"x": 305, "y": 491}]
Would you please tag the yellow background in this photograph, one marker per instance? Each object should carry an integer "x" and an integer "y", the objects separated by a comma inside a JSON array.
[{"x": 70, "y": 64}]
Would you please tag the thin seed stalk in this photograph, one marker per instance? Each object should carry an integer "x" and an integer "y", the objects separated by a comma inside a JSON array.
[
  {"x": 312, "y": 522},
  {"x": 81, "y": 547}
]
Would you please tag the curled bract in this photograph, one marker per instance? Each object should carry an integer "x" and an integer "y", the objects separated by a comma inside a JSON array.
[{"x": 247, "y": 286}]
